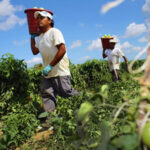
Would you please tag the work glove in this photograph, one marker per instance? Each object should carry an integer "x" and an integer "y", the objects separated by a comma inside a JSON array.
[
  {"x": 33, "y": 36},
  {"x": 47, "y": 69}
]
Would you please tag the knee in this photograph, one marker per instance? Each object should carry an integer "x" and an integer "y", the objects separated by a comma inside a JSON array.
[
  {"x": 46, "y": 92},
  {"x": 49, "y": 105}
]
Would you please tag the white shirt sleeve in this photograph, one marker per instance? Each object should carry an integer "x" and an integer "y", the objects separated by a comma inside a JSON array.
[{"x": 58, "y": 37}]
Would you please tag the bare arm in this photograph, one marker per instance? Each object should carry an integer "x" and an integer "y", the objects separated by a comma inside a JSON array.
[
  {"x": 104, "y": 55},
  {"x": 125, "y": 59},
  {"x": 61, "y": 52},
  {"x": 35, "y": 50}
]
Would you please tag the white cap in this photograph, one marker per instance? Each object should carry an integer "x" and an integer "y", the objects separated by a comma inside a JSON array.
[
  {"x": 112, "y": 41},
  {"x": 43, "y": 13}
]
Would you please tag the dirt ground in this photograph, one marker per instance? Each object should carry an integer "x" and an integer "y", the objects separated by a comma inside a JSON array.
[{"x": 41, "y": 136}]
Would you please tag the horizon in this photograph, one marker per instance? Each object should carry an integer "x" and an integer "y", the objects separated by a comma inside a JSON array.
[{"x": 82, "y": 24}]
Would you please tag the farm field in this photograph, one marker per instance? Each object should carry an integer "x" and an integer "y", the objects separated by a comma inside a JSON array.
[{"x": 104, "y": 116}]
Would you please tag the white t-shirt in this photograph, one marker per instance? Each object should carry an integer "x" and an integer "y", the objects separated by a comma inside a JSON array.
[
  {"x": 46, "y": 44},
  {"x": 114, "y": 58}
]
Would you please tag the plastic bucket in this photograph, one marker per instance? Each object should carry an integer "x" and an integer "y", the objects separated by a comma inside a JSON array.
[
  {"x": 32, "y": 22},
  {"x": 105, "y": 42}
]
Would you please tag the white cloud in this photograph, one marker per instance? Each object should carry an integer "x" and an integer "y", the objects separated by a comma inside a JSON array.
[
  {"x": 146, "y": 7},
  {"x": 134, "y": 30},
  {"x": 7, "y": 15},
  {"x": 143, "y": 39},
  {"x": 129, "y": 48},
  {"x": 126, "y": 45},
  {"x": 137, "y": 48},
  {"x": 75, "y": 44},
  {"x": 96, "y": 44},
  {"x": 105, "y": 8},
  {"x": 6, "y": 8},
  {"x": 35, "y": 60},
  {"x": 10, "y": 22},
  {"x": 20, "y": 42},
  {"x": 84, "y": 58}
]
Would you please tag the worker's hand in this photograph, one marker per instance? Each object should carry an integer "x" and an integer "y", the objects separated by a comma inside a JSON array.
[
  {"x": 33, "y": 36},
  {"x": 47, "y": 69}
]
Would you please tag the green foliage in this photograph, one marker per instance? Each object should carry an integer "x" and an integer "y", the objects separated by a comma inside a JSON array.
[
  {"x": 18, "y": 127},
  {"x": 95, "y": 73},
  {"x": 84, "y": 111},
  {"x": 95, "y": 119},
  {"x": 35, "y": 79},
  {"x": 126, "y": 142},
  {"x": 43, "y": 115},
  {"x": 13, "y": 76},
  {"x": 14, "y": 83},
  {"x": 17, "y": 108},
  {"x": 146, "y": 134}
]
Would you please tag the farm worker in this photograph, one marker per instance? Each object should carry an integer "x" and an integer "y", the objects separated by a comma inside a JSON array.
[
  {"x": 114, "y": 55},
  {"x": 56, "y": 74}
]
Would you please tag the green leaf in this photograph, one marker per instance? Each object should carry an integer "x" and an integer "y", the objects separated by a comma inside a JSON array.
[
  {"x": 126, "y": 142},
  {"x": 43, "y": 115},
  {"x": 111, "y": 147}
]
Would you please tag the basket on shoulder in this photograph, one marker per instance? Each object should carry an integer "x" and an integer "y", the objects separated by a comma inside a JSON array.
[{"x": 105, "y": 41}]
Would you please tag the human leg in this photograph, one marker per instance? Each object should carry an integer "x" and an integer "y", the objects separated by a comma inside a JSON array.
[
  {"x": 118, "y": 75},
  {"x": 49, "y": 102},
  {"x": 114, "y": 78},
  {"x": 115, "y": 75},
  {"x": 48, "y": 95},
  {"x": 63, "y": 87}
]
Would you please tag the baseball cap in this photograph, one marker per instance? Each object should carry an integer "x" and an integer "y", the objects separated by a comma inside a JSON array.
[
  {"x": 112, "y": 41},
  {"x": 43, "y": 13}
]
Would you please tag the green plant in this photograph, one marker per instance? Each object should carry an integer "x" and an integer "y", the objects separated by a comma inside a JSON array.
[
  {"x": 146, "y": 134},
  {"x": 18, "y": 128},
  {"x": 102, "y": 116}
]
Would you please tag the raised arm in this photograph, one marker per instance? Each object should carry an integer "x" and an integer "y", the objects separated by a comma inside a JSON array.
[
  {"x": 104, "y": 54},
  {"x": 35, "y": 50}
]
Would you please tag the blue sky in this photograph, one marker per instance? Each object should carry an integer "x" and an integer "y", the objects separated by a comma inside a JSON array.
[{"x": 82, "y": 23}]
